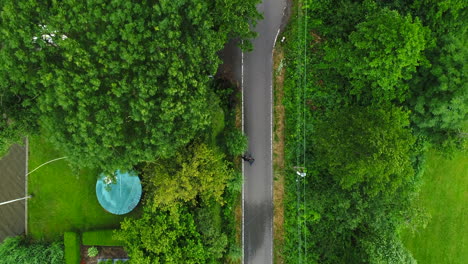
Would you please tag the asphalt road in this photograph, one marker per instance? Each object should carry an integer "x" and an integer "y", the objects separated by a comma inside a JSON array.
[
  {"x": 12, "y": 186},
  {"x": 256, "y": 79}
]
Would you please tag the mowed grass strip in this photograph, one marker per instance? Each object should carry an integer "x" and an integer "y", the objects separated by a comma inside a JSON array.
[
  {"x": 63, "y": 201},
  {"x": 445, "y": 196}
]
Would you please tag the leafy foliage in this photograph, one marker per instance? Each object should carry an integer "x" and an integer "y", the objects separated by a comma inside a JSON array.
[
  {"x": 383, "y": 51},
  {"x": 365, "y": 145},
  {"x": 162, "y": 237},
  {"x": 440, "y": 97},
  {"x": 19, "y": 250},
  {"x": 208, "y": 220},
  {"x": 236, "y": 142},
  {"x": 92, "y": 252},
  {"x": 114, "y": 84},
  {"x": 385, "y": 80},
  {"x": 198, "y": 172}
]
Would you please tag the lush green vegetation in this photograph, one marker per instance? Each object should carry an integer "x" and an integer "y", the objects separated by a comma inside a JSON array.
[
  {"x": 124, "y": 85},
  {"x": 20, "y": 250},
  {"x": 63, "y": 201},
  {"x": 100, "y": 238},
  {"x": 114, "y": 84},
  {"x": 188, "y": 205},
  {"x": 443, "y": 193},
  {"x": 72, "y": 242},
  {"x": 367, "y": 90}
]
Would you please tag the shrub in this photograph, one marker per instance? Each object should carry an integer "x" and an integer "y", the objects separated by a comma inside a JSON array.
[
  {"x": 92, "y": 252},
  {"x": 72, "y": 247},
  {"x": 236, "y": 142},
  {"x": 100, "y": 238},
  {"x": 19, "y": 250}
]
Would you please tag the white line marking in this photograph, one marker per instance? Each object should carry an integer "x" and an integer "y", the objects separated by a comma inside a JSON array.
[
  {"x": 243, "y": 172},
  {"x": 45, "y": 163},
  {"x": 276, "y": 37},
  {"x": 26, "y": 147}
]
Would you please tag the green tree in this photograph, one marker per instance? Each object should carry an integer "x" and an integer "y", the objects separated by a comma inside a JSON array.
[
  {"x": 381, "y": 54},
  {"x": 236, "y": 142},
  {"x": 208, "y": 220},
  {"x": 115, "y": 83},
  {"x": 198, "y": 172},
  {"x": 440, "y": 90},
  {"x": 162, "y": 237},
  {"x": 365, "y": 145},
  {"x": 440, "y": 94}
]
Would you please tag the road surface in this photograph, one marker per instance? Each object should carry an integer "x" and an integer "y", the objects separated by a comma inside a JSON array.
[
  {"x": 12, "y": 186},
  {"x": 256, "y": 80}
]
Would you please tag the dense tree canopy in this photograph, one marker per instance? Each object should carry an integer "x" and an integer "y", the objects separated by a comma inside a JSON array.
[
  {"x": 162, "y": 237},
  {"x": 198, "y": 172},
  {"x": 114, "y": 82},
  {"x": 382, "y": 52},
  {"x": 385, "y": 81},
  {"x": 440, "y": 100},
  {"x": 365, "y": 145}
]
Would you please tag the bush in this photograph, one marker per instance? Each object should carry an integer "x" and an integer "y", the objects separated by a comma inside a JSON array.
[
  {"x": 92, "y": 252},
  {"x": 100, "y": 238},
  {"x": 19, "y": 250},
  {"x": 208, "y": 221},
  {"x": 72, "y": 247},
  {"x": 236, "y": 142}
]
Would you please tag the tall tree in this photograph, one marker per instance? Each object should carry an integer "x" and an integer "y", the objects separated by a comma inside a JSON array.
[
  {"x": 114, "y": 83},
  {"x": 162, "y": 237},
  {"x": 196, "y": 173},
  {"x": 381, "y": 54},
  {"x": 440, "y": 94},
  {"x": 440, "y": 90},
  {"x": 368, "y": 145}
]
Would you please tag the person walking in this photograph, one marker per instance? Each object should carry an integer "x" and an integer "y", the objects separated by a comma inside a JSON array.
[{"x": 249, "y": 158}]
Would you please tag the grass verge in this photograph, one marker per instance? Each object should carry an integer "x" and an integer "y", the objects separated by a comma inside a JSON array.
[
  {"x": 445, "y": 196},
  {"x": 63, "y": 201},
  {"x": 278, "y": 153}
]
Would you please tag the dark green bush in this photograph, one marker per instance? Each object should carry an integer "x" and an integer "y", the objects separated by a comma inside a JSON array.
[
  {"x": 236, "y": 142},
  {"x": 100, "y": 238},
  {"x": 72, "y": 247}
]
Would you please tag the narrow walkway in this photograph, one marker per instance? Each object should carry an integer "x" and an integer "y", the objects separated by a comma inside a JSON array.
[{"x": 12, "y": 186}]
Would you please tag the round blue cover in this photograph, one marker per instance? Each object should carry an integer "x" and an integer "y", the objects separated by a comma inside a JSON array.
[{"x": 121, "y": 195}]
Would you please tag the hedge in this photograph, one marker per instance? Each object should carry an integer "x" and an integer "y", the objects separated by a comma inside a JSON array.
[
  {"x": 72, "y": 247},
  {"x": 100, "y": 238}
]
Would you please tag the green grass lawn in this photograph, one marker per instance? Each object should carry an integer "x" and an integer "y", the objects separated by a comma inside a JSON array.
[
  {"x": 445, "y": 195},
  {"x": 63, "y": 201}
]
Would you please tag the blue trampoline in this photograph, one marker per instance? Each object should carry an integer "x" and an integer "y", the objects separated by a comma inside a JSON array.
[{"x": 120, "y": 195}]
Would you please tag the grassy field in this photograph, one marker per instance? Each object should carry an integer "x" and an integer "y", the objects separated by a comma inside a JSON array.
[
  {"x": 62, "y": 201},
  {"x": 445, "y": 195}
]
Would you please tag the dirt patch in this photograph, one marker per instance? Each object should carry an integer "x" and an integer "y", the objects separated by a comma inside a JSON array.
[
  {"x": 238, "y": 213},
  {"x": 278, "y": 154},
  {"x": 104, "y": 253}
]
